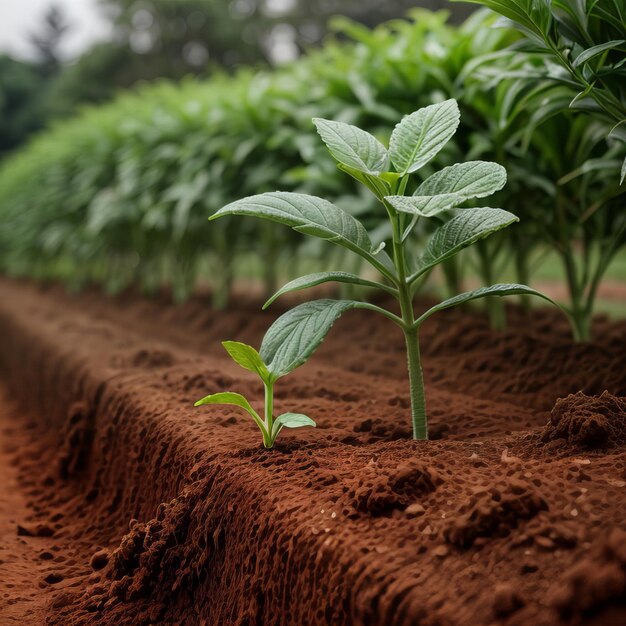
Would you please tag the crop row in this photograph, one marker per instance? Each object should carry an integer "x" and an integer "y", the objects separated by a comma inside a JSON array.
[{"x": 120, "y": 194}]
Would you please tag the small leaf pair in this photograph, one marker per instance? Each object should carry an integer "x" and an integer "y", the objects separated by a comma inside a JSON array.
[{"x": 248, "y": 358}]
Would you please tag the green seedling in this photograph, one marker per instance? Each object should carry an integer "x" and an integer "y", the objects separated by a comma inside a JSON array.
[
  {"x": 415, "y": 141},
  {"x": 248, "y": 358}
]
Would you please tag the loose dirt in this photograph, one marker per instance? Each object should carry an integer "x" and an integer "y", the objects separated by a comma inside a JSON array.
[{"x": 154, "y": 512}]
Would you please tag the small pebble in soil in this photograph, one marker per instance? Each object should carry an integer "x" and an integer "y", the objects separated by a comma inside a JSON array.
[
  {"x": 616, "y": 483},
  {"x": 415, "y": 509},
  {"x": 505, "y": 458},
  {"x": 545, "y": 542},
  {"x": 476, "y": 460},
  {"x": 441, "y": 551}
]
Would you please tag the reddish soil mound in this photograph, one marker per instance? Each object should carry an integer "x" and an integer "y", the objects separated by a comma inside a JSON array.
[
  {"x": 588, "y": 421},
  {"x": 494, "y": 512},
  {"x": 379, "y": 489},
  {"x": 139, "y": 509}
]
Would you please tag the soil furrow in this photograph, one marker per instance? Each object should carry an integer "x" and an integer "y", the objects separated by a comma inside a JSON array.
[{"x": 166, "y": 514}]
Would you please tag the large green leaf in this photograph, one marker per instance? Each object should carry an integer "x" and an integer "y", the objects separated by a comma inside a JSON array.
[
  {"x": 311, "y": 280},
  {"x": 592, "y": 52},
  {"x": 247, "y": 357},
  {"x": 483, "y": 292},
  {"x": 352, "y": 146},
  {"x": 228, "y": 397},
  {"x": 291, "y": 420},
  {"x": 462, "y": 231},
  {"x": 306, "y": 214},
  {"x": 296, "y": 334},
  {"x": 421, "y": 135},
  {"x": 474, "y": 179}
]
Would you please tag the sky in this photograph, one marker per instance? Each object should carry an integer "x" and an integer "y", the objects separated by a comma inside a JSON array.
[{"x": 18, "y": 18}]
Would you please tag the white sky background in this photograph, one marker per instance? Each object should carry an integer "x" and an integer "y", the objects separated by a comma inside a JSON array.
[{"x": 18, "y": 18}]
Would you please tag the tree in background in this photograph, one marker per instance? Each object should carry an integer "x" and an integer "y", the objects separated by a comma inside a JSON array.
[
  {"x": 47, "y": 41},
  {"x": 174, "y": 38},
  {"x": 170, "y": 39},
  {"x": 20, "y": 105},
  {"x": 178, "y": 37},
  {"x": 24, "y": 85}
]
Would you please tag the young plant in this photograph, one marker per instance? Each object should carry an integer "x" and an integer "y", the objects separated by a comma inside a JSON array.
[
  {"x": 269, "y": 370},
  {"x": 415, "y": 141}
]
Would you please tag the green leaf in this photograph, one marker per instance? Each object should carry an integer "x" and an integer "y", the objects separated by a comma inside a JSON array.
[
  {"x": 296, "y": 334},
  {"x": 352, "y": 146},
  {"x": 247, "y": 357},
  {"x": 421, "y": 135},
  {"x": 532, "y": 16},
  {"x": 311, "y": 280},
  {"x": 483, "y": 292},
  {"x": 291, "y": 420},
  {"x": 462, "y": 231},
  {"x": 228, "y": 397},
  {"x": 592, "y": 52},
  {"x": 305, "y": 214},
  {"x": 591, "y": 165},
  {"x": 424, "y": 206},
  {"x": 623, "y": 173},
  {"x": 474, "y": 179}
]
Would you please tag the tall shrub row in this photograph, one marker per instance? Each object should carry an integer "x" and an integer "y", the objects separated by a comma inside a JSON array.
[{"x": 119, "y": 195}]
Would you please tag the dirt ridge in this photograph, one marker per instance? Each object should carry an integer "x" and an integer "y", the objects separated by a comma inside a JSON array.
[{"x": 181, "y": 518}]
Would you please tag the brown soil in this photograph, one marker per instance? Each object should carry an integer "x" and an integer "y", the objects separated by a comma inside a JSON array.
[{"x": 123, "y": 504}]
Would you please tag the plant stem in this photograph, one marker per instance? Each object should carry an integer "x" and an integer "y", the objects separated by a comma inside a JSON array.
[
  {"x": 411, "y": 334},
  {"x": 268, "y": 441},
  {"x": 579, "y": 316},
  {"x": 416, "y": 383},
  {"x": 581, "y": 324}
]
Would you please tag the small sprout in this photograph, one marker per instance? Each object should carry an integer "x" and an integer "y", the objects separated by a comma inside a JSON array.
[
  {"x": 440, "y": 199},
  {"x": 248, "y": 358}
]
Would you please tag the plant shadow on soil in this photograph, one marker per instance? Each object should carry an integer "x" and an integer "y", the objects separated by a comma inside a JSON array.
[{"x": 158, "y": 513}]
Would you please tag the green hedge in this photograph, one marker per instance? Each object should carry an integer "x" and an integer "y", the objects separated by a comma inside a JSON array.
[{"x": 121, "y": 193}]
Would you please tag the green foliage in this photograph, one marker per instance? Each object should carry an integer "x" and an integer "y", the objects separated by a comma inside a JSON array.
[
  {"x": 248, "y": 358},
  {"x": 119, "y": 195},
  {"x": 567, "y": 169},
  {"x": 583, "y": 45},
  {"x": 415, "y": 141}
]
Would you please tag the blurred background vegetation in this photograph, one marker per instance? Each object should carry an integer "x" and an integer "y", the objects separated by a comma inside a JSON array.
[
  {"x": 182, "y": 109},
  {"x": 172, "y": 39}
]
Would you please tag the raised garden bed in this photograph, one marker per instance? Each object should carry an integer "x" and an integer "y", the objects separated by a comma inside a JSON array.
[{"x": 136, "y": 508}]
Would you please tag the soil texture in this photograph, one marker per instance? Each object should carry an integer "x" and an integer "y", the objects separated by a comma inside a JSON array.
[{"x": 122, "y": 504}]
